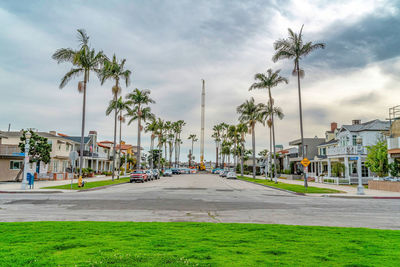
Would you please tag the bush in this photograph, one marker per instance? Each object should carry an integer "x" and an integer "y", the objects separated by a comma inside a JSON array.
[{"x": 287, "y": 172}]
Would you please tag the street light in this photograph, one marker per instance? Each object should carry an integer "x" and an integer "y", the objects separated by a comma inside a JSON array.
[
  {"x": 26, "y": 161},
  {"x": 360, "y": 187}
]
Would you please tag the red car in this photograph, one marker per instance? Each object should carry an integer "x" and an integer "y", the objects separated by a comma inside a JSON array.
[{"x": 139, "y": 176}]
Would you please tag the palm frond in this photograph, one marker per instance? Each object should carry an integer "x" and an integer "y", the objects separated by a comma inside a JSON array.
[{"x": 69, "y": 75}]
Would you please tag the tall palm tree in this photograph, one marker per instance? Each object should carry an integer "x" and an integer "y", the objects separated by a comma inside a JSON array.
[
  {"x": 118, "y": 106},
  {"x": 152, "y": 126},
  {"x": 267, "y": 81},
  {"x": 160, "y": 136},
  {"x": 268, "y": 113},
  {"x": 138, "y": 99},
  {"x": 177, "y": 129},
  {"x": 294, "y": 48},
  {"x": 217, "y": 137},
  {"x": 251, "y": 113},
  {"x": 224, "y": 136},
  {"x": 233, "y": 135},
  {"x": 114, "y": 70},
  {"x": 242, "y": 129},
  {"x": 194, "y": 139},
  {"x": 84, "y": 61}
]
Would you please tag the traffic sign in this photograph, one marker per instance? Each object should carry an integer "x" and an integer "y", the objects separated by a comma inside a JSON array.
[
  {"x": 305, "y": 162},
  {"x": 73, "y": 156}
]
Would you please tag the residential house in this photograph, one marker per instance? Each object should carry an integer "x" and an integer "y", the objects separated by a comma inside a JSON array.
[
  {"x": 343, "y": 150},
  {"x": 310, "y": 150},
  {"x": 11, "y": 160}
]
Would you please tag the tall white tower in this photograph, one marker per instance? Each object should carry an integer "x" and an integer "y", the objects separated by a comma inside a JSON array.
[{"x": 203, "y": 100}]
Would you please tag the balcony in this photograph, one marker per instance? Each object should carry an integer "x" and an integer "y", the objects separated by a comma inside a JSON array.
[
  {"x": 87, "y": 153},
  {"x": 346, "y": 150},
  {"x": 10, "y": 150},
  {"x": 393, "y": 143}
]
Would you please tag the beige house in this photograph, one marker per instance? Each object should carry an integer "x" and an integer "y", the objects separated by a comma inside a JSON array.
[{"x": 10, "y": 160}]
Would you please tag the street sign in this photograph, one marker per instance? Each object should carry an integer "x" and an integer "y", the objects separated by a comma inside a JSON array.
[
  {"x": 73, "y": 156},
  {"x": 353, "y": 158},
  {"x": 305, "y": 162}
]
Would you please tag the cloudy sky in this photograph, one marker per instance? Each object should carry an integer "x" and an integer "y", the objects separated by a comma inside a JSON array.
[{"x": 171, "y": 45}]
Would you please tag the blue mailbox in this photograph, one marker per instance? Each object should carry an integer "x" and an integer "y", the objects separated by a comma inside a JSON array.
[{"x": 30, "y": 177}]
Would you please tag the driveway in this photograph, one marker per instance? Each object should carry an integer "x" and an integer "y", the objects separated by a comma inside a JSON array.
[{"x": 200, "y": 198}]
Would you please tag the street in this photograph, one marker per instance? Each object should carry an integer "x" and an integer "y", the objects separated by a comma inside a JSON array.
[{"x": 201, "y": 198}]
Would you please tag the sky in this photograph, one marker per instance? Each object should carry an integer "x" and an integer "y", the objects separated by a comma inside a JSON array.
[{"x": 171, "y": 45}]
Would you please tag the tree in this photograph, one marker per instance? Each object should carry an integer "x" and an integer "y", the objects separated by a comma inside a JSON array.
[
  {"x": 234, "y": 136},
  {"x": 84, "y": 61},
  {"x": 217, "y": 138},
  {"x": 160, "y": 136},
  {"x": 152, "y": 127},
  {"x": 39, "y": 148},
  {"x": 267, "y": 81},
  {"x": 377, "y": 160},
  {"x": 268, "y": 112},
  {"x": 194, "y": 139},
  {"x": 177, "y": 130},
  {"x": 242, "y": 129},
  {"x": 294, "y": 48},
  {"x": 251, "y": 113},
  {"x": 114, "y": 70},
  {"x": 137, "y": 100}
]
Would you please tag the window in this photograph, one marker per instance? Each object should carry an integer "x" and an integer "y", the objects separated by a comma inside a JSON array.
[
  {"x": 59, "y": 147},
  {"x": 67, "y": 147},
  {"x": 55, "y": 166},
  {"x": 354, "y": 140},
  {"x": 324, "y": 151},
  {"x": 15, "y": 164}
]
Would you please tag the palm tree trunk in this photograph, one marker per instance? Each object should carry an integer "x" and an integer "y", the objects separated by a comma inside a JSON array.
[
  {"x": 83, "y": 124},
  {"x": 234, "y": 156},
  {"x": 159, "y": 153},
  {"x": 115, "y": 140},
  {"x": 138, "y": 144},
  {"x": 216, "y": 160},
  {"x": 253, "y": 141},
  {"x": 120, "y": 141},
  {"x": 270, "y": 151},
  {"x": 241, "y": 162},
  {"x": 273, "y": 134},
  {"x": 151, "y": 151},
  {"x": 301, "y": 123}
]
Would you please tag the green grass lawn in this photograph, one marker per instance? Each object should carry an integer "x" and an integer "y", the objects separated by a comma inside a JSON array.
[
  {"x": 292, "y": 187},
  {"x": 89, "y": 184},
  {"x": 193, "y": 244}
]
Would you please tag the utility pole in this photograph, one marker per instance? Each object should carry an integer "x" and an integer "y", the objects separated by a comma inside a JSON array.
[{"x": 203, "y": 97}]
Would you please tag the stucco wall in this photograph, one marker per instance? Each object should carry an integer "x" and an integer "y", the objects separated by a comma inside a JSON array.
[{"x": 5, "y": 173}]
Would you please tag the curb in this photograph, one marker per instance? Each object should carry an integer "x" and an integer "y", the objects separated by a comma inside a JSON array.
[
  {"x": 30, "y": 192},
  {"x": 99, "y": 188},
  {"x": 356, "y": 197},
  {"x": 280, "y": 189}
]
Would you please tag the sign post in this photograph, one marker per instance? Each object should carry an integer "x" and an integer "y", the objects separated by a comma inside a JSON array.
[
  {"x": 73, "y": 156},
  {"x": 305, "y": 162}
]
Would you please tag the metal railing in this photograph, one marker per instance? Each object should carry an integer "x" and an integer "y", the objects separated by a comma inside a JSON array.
[
  {"x": 346, "y": 150},
  {"x": 10, "y": 150}
]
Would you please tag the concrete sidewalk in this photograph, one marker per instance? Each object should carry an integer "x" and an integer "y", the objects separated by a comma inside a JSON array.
[
  {"x": 15, "y": 187},
  {"x": 350, "y": 191}
]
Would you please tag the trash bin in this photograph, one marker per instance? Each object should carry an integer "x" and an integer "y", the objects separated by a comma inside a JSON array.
[{"x": 30, "y": 177}]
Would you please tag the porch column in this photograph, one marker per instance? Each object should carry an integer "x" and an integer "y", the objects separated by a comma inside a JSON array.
[
  {"x": 329, "y": 168},
  {"x": 346, "y": 168},
  {"x": 97, "y": 165}
]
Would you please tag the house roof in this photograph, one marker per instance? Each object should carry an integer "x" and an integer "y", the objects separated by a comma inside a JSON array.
[
  {"x": 374, "y": 125},
  {"x": 43, "y": 134},
  {"x": 333, "y": 141},
  {"x": 77, "y": 139},
  {"x": 306, "y": 140}
]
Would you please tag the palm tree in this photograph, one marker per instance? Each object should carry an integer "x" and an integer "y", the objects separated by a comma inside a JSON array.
[
  {"x": 233, "y": 135},
  {"x": 152, "y": 127},
  {"x": 177, "y": 129},
  {"x": 84, "y": 61},
  {"x": 217, "y": 137},
  {"x": 294, "y": 48},
  {"x": 114, "y": 70},
  {"x": 268, "y": 114},
  {"x": 250, "y": 113},
  {"x": 194, "y": 139},
  {"x": 160, "y": 136},
  {"x": 242, "y": 129},
  {"x": 138, "y": 99},
  {"x": 118, "y": 106},
  {"x": 224, "y": 136},
  {"x": 267, "y": 81}
]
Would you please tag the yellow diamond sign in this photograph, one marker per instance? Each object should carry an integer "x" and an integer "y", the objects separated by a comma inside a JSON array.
[{"x": 305, "y": 162}]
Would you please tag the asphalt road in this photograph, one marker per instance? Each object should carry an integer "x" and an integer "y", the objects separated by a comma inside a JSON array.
[{"x": 201, "y": 198}]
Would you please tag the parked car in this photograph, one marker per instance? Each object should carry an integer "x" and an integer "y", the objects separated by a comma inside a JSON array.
[
  {"x": 156, "y": 174},
  {"x": 216, "y": 171},
  {"x": 223, "y": 173},
  {"x": 139, "y": 176},
  {"x": 231, "y": 175},
  {"x": 150, "y": 174},
  {"x": 175, "y": 171},
  {"x": 167, "y": 172}
]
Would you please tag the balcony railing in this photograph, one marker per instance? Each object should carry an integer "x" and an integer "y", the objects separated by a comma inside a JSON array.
[
  {"x": 346, "y": 150},
  {"x": 393, "y": 143},
  {"x": 10, "y": 150},
  {"x": 87, "y": 153}
]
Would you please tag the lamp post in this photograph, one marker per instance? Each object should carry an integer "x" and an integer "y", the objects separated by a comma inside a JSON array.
[
  {"x": 26, "y": 161},
  {"x": 360, "y": 188}
]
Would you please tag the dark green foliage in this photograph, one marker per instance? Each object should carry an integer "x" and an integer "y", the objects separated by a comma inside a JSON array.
[{"x": 39, "y": 148}]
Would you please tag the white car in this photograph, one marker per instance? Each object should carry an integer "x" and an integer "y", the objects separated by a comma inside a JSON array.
[{"x": 231, "y": 175}]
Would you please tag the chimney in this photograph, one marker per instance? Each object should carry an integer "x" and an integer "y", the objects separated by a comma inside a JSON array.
[
  {"x": 93, "y": 132},
  {"x": 53, "y": 132},
  {"x": 333, "y": 126},
  {"x": 355, "y": 122}
]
